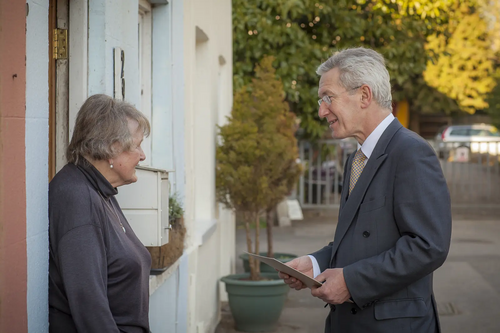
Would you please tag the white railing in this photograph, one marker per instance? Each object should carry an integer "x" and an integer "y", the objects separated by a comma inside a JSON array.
[
  {"x": 472, "y": 170},
  {"x": 323, "y": 163}
]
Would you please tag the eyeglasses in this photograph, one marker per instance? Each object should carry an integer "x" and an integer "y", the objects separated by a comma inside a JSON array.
[{"x": 328, "y": 99}]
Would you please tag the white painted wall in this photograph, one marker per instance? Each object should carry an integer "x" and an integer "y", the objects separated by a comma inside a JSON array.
[
  {"x": 192, "y": 92},
  {"x": 168, "y": 304},
  {"x": 162, "y": 101},
  {"x": 227, "y": 236},
  {"x": 208, "y": 100},
  {"x": 78, "y": 59},
  {"x": 114, "y": 24},
  {"x": 37, "y": 111},
  {"x": 179, "y": 89}
]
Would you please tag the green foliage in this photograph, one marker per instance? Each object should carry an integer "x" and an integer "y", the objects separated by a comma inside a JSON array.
[
  {"x": 262, "y": 224},
  {"x": 428, "y": 100},
  {"x": 256, "y": 160},
  {"x": 175, "y": 210},
  {"x": 464, "y": 67},
  {"x": 300, "y": 34},
  {"x": 493, "y": 100}
]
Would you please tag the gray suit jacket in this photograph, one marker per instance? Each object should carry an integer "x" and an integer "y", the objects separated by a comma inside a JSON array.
[{"x": 394, "y": 230}]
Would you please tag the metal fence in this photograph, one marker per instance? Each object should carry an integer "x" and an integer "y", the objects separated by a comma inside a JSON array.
[
  {"x": 321, "y": 182},
  {"x": 471, "y": 169}
]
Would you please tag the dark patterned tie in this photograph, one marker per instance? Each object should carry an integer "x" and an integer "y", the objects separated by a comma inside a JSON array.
[{"x": 357, "y": 168}]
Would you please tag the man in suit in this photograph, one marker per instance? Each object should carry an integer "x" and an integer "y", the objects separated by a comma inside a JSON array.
[{"x": 394, "y": 224}]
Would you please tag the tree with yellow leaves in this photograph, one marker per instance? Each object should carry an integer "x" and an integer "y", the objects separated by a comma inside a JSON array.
[{"x": 463, "y": 64}]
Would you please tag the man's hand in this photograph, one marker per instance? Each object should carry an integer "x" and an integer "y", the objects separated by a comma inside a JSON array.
[
  {"x": 334, "y": 289},
  {"x": 302, "y": 264}
]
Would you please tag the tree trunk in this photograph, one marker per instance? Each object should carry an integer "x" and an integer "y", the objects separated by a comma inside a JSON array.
[
  {"x": 256, "y": 273},
  {"x": 269, "y": 227},
  {"x": 251, "y": 260}
]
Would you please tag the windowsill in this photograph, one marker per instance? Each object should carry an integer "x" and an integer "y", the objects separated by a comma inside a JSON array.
[
  {"x": 156, "y": 281},
  {"x": 206, "y": 229}
]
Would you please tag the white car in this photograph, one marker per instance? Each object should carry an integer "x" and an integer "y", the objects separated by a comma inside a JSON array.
[{"x": 478, "y": 138}]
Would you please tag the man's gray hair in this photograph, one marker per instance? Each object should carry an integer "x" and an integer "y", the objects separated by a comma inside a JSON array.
[
  {"x": 360, "y": 66},
  {"x": 101, "y": 129}
]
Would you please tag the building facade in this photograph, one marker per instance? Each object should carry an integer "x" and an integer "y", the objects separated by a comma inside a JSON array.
[{"x": 173, "y": 61}]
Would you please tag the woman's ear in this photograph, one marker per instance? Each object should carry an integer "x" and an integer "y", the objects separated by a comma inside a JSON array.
[{"x": 366, "y": 96}]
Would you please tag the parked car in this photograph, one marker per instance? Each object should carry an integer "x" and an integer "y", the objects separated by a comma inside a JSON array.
[{"x": 478, "y": 138}]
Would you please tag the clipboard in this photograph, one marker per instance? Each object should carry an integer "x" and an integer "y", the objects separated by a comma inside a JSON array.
[{"x": 278, "y": 265}]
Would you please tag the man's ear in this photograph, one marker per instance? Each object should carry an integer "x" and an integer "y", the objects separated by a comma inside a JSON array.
[{"x": 366, "y": 96}]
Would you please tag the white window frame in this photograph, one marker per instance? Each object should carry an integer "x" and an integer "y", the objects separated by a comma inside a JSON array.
[{"x": 144, "y": 49}]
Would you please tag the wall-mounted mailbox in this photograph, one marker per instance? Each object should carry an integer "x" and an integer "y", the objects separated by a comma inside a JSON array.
[{"x": 145, "y": 205}]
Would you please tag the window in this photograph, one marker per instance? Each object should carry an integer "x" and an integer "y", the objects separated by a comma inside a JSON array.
[
  {"x": 144, "y": 202},
  {"x": 493, "y": 133},
  {"x": 460, "y": 132}
]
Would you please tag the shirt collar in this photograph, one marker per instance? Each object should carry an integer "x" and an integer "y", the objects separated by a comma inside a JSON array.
[{"x": 372, "y": 139}]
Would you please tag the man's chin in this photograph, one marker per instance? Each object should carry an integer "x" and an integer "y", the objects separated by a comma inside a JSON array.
[{"x": 335, "y": 135}]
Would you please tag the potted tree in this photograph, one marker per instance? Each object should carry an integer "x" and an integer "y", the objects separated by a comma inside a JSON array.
[
  {"x": 256, "y": 163},
  {"x": 164, "y": 256},
  {"x": 284, "y": 181}
]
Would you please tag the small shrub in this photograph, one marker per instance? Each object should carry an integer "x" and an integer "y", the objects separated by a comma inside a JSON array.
[
  {"x": 175, "y": 210},
  {"x": 256, "y": 160}
]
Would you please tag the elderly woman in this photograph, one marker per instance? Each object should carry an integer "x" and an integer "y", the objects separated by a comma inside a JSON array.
[{"x": 98, "y": 270}]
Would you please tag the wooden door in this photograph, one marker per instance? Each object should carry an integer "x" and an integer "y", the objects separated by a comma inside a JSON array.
[{"x": 58, "y": 88}]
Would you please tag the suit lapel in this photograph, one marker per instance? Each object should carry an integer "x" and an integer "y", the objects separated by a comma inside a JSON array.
[
  {"x": 345, "y": 182},
  {"x": 350, "y": 207}
]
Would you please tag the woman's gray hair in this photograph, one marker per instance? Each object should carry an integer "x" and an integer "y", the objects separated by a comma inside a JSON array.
[
  {"x": 360, "y": 66},
  {"x": 101, "y": 130}
]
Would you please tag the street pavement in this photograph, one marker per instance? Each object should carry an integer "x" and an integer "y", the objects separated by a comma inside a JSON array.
[{"x": 467, "y": 286}]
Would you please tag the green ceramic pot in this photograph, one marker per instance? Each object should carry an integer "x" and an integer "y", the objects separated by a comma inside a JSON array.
[
  {"x": 283, "y": 257},
  {"x": 255, "y": 305}
]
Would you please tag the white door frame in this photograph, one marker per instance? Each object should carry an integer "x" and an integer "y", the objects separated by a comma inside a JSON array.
[{"x": 78, "y": 59}]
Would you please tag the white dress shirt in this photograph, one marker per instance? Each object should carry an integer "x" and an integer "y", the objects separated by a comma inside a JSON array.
[{"x": 367, "y": 149}]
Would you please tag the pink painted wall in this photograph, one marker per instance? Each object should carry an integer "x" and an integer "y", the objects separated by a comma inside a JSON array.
[{"x": 13, "y": 268}]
